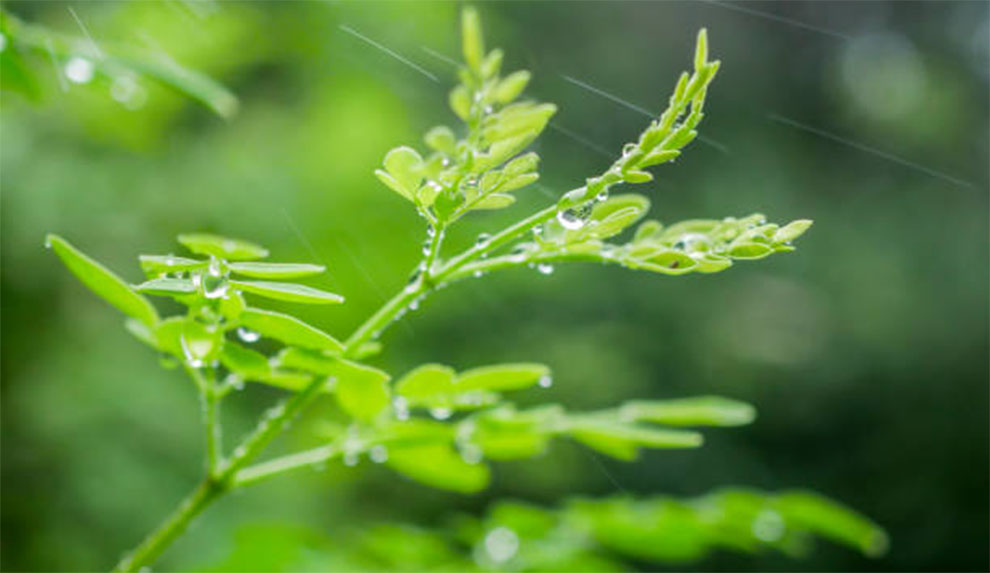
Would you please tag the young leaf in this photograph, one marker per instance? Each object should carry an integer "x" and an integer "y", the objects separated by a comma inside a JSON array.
[
  {"x": 289, "y": 292},
  {"x": 700, "y": 411},
  {"x": 495, "y": 201},
  {"x": 405, "y": 165},
  {"x": 222, "y": 247},
  {"x": 102, "y": 282},
  {"x": 622, "y": 441},
  {"x": 316, "y": 363},
  {"x": 471, "y": 39},
  {"x": 501, "y": 377},
  {"x": 246, "y": 363},
  {"x": 289, "y": 329},
  {"x": 426, "y": 381},
  {"x": 440, "y": 466},
  {"x": 361, "y": 398},
  {"x": 275, "y": 270}
]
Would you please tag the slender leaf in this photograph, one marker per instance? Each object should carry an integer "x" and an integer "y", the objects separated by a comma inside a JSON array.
[
  {"x": 289, "y": 329},
  {"x": 440, "y": 466},
  {"x": 222, "y": 247},
  {"x": 289, "y": 292},
  {"x": 275, "y": 270}
]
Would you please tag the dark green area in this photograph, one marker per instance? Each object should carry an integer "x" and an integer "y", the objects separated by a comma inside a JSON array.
[{"x": 865, "y": 352}]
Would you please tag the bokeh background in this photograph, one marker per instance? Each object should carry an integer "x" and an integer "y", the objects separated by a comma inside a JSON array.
[{"x": 865, "y": 351}]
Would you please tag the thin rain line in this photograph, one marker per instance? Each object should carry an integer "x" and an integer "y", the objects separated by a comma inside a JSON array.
[
  {"x": 85, "y": 31},
  {"x": 361, "y": 268},
  {"x": 872, "y": 150},
  {"x": 360, "y": 36},
  {"x": 781, "y": 19},
  {"x": 307, "y": 244},
  {"x": 544, "y": 190},
  {"x": 58, "y": 70},
  {"x": 582, "y": 140},
  {"x": 639, "y": 109},
  {"x": 441, "y": 57},
  {"x": 605, "y": 471}
]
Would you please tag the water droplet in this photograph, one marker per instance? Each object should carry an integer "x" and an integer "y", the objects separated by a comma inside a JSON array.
[
  {"x": 570, "y": 219},
  {"x": 197, "y": 280},
  {"x": 126, "y": 91},
  {"x": 79, "y": 70},
  {"x": 482, "y": 240},
  {"x": 546, "y": 381},
  {"x": 427, "y": 245},
  {"x": 48, "y": 242},
  {"x": 477, "y": 274},
  {"x": 215, "y": 280},
  {"x": 351, "y": 459},
  {"x": 628, "y": 148},
  {"x": 441, "y": 413},
  {"x": 693, "y": 243},
  {"x": 602, "y": 196},
  {"x": 240, "y": 452},
  {"x": 501, "y": 544},
  {"x": 545, "y": 268},
  {"x": 236, "y": 382},
  {"x": 193, "y": 351},
  {"x": 401, "y": 408},
  {"x": 445, "y": 162},
  {"x": 414, "y": 305},
  {"x": 768, "y": 526},
  {"x": 378, "y": 454},
  {"x": 247, "y": 335},
  {"x": 489, "y": 109}
]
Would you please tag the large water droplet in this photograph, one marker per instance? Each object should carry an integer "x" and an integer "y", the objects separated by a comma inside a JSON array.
[
  {"x": 247, "y": 335},
  {"x": 545, "y": 268},
  {"x": 79, "y": 70},
  {"x": 441, "y": 413},
  {"x": 768, "y": 526},
  {"x": 570, "y": 219},
  {"x": 401, "y": 408},
  {"x": 378, "y": 454},
  {"x": 215, "y": 283},
  {"x": 194, "y": 351},
  {"x": 501, "y": 544}
]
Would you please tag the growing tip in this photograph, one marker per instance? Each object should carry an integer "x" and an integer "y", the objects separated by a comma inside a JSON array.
[{"x": 701, "y": 49}]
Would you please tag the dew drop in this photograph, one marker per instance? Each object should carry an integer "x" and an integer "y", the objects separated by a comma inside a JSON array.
[
  {"x": 570, "y": 219},
  {"x": 248, "y": 335},
  {"x": 192, "y": 354},
  {"x": 602, "y": 196},
  {"x": 545, "y": 268},
  {"x": 501, "y": 544},
  {"x": 378, "y": 454},
  {"x": 768, "y": 526},
  {"x": 351, "y": 459},
  {"x": 482, "y": 240},
  {"x": 79, "y": 70},
  {"x": 546, "y": 381},
  {"x": 471, "y": 453},
  {"x": 48, "y": 242},
  {"x": 477, "y": 274},
  {"x": 236, "y": 382},
  {"x": 441, "y": 413},
  {"x": 401, "y": 408},
  {"x": 414, "y": 305}
]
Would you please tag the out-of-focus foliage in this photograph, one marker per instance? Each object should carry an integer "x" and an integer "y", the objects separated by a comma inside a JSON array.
[
  {"x": 582, "y": 535},
  {"x": 866, "y": 356}
]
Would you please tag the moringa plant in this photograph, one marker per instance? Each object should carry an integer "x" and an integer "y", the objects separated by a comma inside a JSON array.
[{"x": 444, "y": 427}]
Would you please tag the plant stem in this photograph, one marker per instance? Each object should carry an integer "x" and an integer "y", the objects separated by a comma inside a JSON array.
[
  {"x": 172, "y": 527},
  {"x": 229, "y": 474},
  {"x": 211, "y": 418}
]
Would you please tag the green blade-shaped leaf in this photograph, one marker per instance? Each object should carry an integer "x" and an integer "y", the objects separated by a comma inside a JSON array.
[
  {"x": 104, "y": 283},
  {"x": 141, "y": 331},
  {"x": 622, "y": 441},
  {"x": 275, "y": 270},
  {"x": 289, "y": 329},
  {"x": 154, "y": 265},
  {"x": 502, "y": 377},
  {"x": 700, "y": 411},
  {"x": 222, "y": 247},
  {"x": 289, "y": 292},
  {"x": 194, "y": 84},
  {"x": 316, "y": 363},
  {"x": 440, "y": 466},
  {"x": 167, "y": 287},
  {"x": 830, "y": 519}
]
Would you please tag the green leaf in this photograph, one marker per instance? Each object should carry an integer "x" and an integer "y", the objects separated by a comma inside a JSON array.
[
  {"x": 472, "y": 41},
  {"x": 275, "y": 270},
  {"x": 832, "y": 520},
  {"x": 502, "y": 377},
  {"x": 440, "y": 466},
  {"x": 167, "y": 287},
  {"x": 289, "y": 330},
  {"x": 441, "y": 138},
  {"x": 222, "y": 247},
  {"x": 701, "y": 50},
  {"x": 154, "y": 265},
  {"x": 316, "y": 363},
  {"x": 405, "y": 166},
  {"x": 495, "y": 201},
  {"x": 750, "y": 251},
  {"x": 460, "y": 102},
  {"x": 289, "y": 292},
  {"x": 246, "y": 363},
  {"x": 700, "y": 411},
  {"x": 658, "y": 157},
  {"x": 361, "y": 398},
  {"x": 141, "y": 331},
  {"x": 102, "y": 282},
  {"x": 194, "y": 84},
  {"x": 792, "y": 231},
  {"x": 509, "y": 88},
  {"x": 426, "y": 381},
  {"x": 199, "y": 344},
  {"x": 622, "y": 441}
]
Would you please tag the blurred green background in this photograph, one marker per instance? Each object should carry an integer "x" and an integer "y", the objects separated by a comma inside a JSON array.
[{"x": 865, "y": 352}]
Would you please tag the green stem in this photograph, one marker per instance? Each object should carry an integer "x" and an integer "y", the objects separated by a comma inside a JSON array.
[
  {"x": 258, "y": 472},
  {"x": 159, "y": 539},
  {"x": 211, "y": 418}
]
